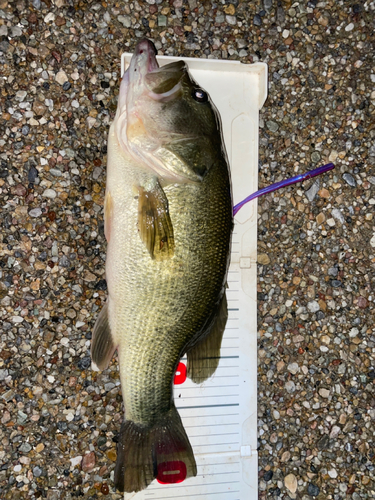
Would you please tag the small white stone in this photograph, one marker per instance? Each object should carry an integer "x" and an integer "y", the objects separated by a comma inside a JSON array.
[
  {"x": 313, "y": 306},
  {"x": 285, "y": 33},
  {"x": 353, "y": 332},
  {"x": 335, "y": 431},
  {"x": 17, "y": 468},
  {"x": 70, "y": 416},
  {"x": 293, "y": 368},
  {"x": 289, "y": 303},
  {"x": 333, "y": 156},
  {"x": 231, "y": 20},
  {"x": 51, "y": 379},
  {"x": 125, "y": 21},
  {"x": 332, "y": 473},
  {"x": 15, "y": 31},
  {"x": 276, "y": 415},
  {"x": 337, "y": 214},
  {"x": 75, "y": 104},
  {"x": 290, "y": 386},
  {"x": 324, "y": 392},
  {"x": 49, "y": 17},
  {"x": 349, "y": 27},
  {"x": 76, "y": 460},
  {"x": 61, "y": 77},
  {"x": 372, "y": 241},
  {"x": 90, "y": 122},
  {"x": 49, "y": 193},
  {"x": 64, "y": 341},
  {"x": 20, "y": 95},
  {"x": 17, "y": 319}
]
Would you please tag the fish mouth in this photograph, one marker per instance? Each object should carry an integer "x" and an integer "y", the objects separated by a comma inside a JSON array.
[
  {"x": 147, "y": 49},
  {"x": 143, "y": 62}
]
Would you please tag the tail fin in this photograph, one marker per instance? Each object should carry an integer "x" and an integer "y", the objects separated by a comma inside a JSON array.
[{"x": 162, "y": 451}]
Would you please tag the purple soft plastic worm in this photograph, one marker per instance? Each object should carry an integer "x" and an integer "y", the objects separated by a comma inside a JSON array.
[{"x": 281, "y": 184}]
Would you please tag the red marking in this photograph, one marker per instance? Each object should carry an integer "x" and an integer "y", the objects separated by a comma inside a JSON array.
[
  {"x": 171, "y": 472},
  {"x": 180, "y": 375}
]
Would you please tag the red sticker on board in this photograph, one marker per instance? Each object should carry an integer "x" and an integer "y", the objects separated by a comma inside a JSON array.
[
  {"x": 180, "y": 375},
  {"x": 171, "y": 472}
]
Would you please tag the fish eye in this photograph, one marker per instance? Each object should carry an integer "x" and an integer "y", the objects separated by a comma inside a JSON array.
[{"x": 199, "y": 95}]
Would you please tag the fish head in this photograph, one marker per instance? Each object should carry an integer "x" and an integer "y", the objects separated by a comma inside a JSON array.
[{"x": 165, "y": 120}]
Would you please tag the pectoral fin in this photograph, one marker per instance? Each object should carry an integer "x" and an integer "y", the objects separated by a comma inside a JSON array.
[
  {"x": 102, "y": 346},
  {"x": 154, "y": 222},
  {"x": 203, "y": 358}
]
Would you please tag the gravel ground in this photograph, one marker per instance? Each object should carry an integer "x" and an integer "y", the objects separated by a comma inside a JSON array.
[{"x": 59, "y": 83}]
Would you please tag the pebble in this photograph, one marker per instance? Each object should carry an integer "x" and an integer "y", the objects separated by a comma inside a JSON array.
[
  {"x": 88, "y": 462},
  {"x": 37, "y": 471},
  {"x": 35, "y": 212},
  {"x": 290, "y": 482},
  {"x": 61, "y": 77},
  {"x": 293, "y": 368},
  {"x": 349, "y": 179},
  {"x": 337, "y": 214},
  {"x": 257, "y": 20},
  {"x": 290, "y": 386},
  {"x": 267, "y": 4},
  {"x": 76, "y": 460},
  {"x": 324, "y": 392},
  {"x": 263, "y": 259},
  {"x": 49, "y": 193},
  {"x": 313, "y": 490},
  {"x": 313, "y": 306},
  {"x": 272, "y": 126},
  {"x": 312, "y": 191},
  {"x": 125, "y": 21}
]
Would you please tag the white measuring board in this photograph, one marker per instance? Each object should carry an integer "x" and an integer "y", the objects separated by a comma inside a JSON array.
[{"x": 220, "y": 415}]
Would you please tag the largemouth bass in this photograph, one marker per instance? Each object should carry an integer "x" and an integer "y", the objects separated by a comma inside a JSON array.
[{"x": 168, "y": 223}]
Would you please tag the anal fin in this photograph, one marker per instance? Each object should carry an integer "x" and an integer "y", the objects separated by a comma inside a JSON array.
[
  {"x": 203, "y": 358},
  {"x": 102, "y": 346},
  {"x": 154, "y": 222}
]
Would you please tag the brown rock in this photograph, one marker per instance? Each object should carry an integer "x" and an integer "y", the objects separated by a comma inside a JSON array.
[
  {"x": 230, "y": 9},
  {"x": 263, "y": 259},
  {"x": 88, "y": 276},
  {"x": 39, "y": 108},
  {"x": 88, "y": 462},
  {"x": 320, "y": 218},
  {"x": 60, "y": 21},
  {"x": 32, "y": 18},
  {"x": 19, "y": 190},
  {"x": 324, "y": 193},
  {"x": 112, "y": 455},
  {"x": 362, "y": 302},
  {"x": 56, "y": 54}
]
